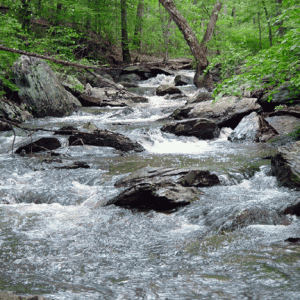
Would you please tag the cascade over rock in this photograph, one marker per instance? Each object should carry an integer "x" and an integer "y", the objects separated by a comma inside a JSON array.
[
  {"x": 200, "y": 128},
  {"x": 226, "y": 112},
  {"x": 40, "y": 89}
]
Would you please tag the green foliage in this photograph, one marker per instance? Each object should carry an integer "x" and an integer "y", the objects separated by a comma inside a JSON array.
[{"x": 277, "y": 64}]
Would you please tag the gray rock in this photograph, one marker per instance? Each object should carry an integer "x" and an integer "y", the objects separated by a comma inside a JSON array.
[
  {"x": 252, "y": 128},
  {"x": 284, "y": 124},
  {"x": 40, "y": 89},
  {"x": 226, "y": 112},
  {"x": 200, "y": 128},
  {"x": 201, "y": 95},
  {"x": 13, "y": 112},
  {"x": 40, "y": 145},
  {"x": 167, "y": 89},
  {"x": 165, "y": 196},
  {"x": 185, "y": 177},
  {"x": 4, "y": 126},
  {"x": 133, "y": 78},
  {"x": 262, "y": 215},
  {"x": 285, "y": 166},
  {"x": 292, "y": 208},
  {"x": 105, "y": 138},
  {"x": 283, "y": 95},
  {"x": 71, "y": 84},
  {"x": 180, "y": 80},
  {"x": 109, "y": 97}
]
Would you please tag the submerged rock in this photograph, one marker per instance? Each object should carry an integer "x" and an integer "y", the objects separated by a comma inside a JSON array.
[
  {"x": 285, "y": 166},
  {"x": 226, "y": 112},
  {"x": 185, "y": 177},
  {"x": 164, "y": 196},
  {"x": 109, "y": 96},
  {"x": 200, "y": 128},
  {"x": 40, "y": 89},
  {"x": 105, "y": 138},
  {"x": 251, "y": 216},
  {"x": 253, "y": 128},
  {"x": 43, "y": 144},
  {"x": 167, "y": 89}
]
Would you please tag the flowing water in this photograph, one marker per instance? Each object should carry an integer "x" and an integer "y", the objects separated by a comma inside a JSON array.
[{"x": 58, "y": 240}]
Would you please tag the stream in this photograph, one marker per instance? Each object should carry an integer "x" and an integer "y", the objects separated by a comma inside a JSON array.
[{"x": 57, "y": 239}]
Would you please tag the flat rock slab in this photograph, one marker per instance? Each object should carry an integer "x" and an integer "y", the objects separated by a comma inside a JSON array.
[
  {"x": 226, "y": 112},
  {"x": 43, "y": 144},
  {"x": 162, "y": 197},
  {"x": 284, "y": 124},
  {"x": 185, "y": 177},
  {"x": 200, "y": 128},
  {"x": 105, "y": 138},
  {"x": 109, "y": 97},
  {"x": 285, "y": 166}
]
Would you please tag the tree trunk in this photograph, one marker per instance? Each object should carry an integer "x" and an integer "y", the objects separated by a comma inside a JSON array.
[
  {"x": 259, "y": 29},
  {"x": 269, "y": 23},
  {"x": 166, "y": 34},
  {"x": 137, "y": 39},
  {"x": 124, "y": 42},
  {"x": 198, "y": 50}
]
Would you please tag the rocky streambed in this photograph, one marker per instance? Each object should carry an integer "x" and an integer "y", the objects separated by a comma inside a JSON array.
[{"x": 170, "y": 216}]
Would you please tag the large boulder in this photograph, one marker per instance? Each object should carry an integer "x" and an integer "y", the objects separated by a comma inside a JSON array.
[
  {"x": 167, "y": 89},
  {"x": 164, "y": 196},
  {"x": 40, "y": 89},
  {"x": 252, "y": 128},
  {"x": 185, "y": 177},
  {"x": 285, "y": 165},
  {"x": 200, "y": 128},
  {"x": 105, "y": 138},
  {"x": 226, "y": 112},
  {"x": 109, "y": 96}
]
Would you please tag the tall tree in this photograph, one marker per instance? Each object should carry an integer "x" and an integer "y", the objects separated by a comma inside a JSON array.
[
  {"x": 124, "y": 38},
  {"x": 137, "y": 39},
  {"x": 198, "y": 50}
]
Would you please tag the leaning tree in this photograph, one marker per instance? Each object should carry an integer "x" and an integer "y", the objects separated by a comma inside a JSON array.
[{"x": 199, "y": 50}]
